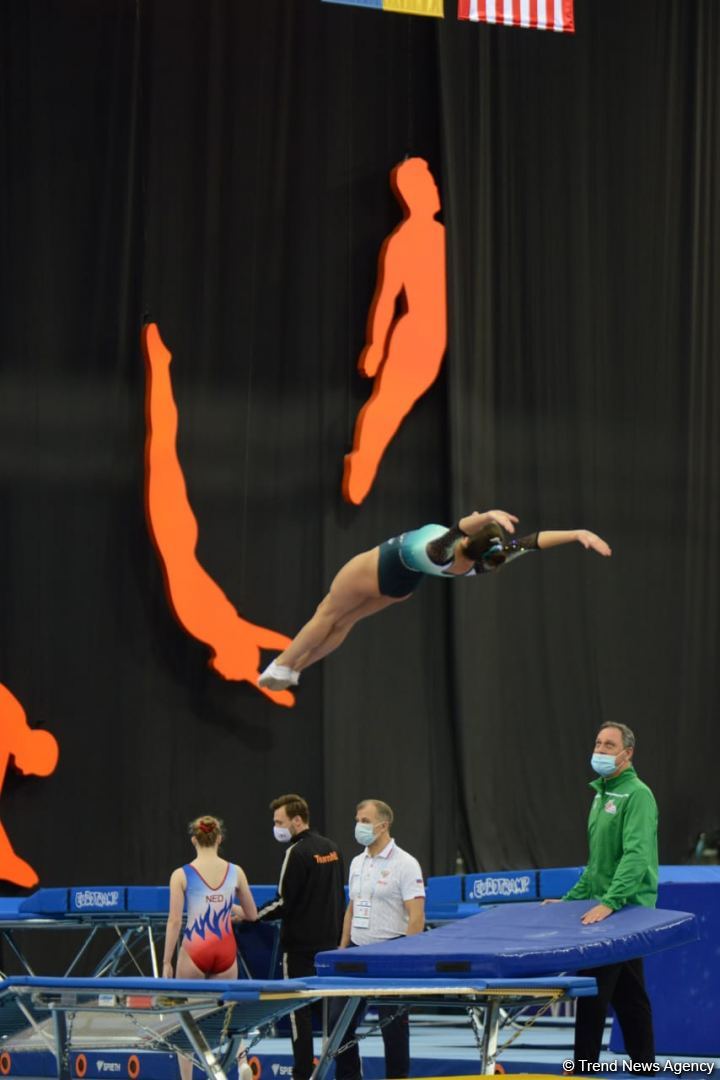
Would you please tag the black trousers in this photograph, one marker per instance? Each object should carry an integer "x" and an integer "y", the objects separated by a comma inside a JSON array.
[
  {"x": 295, "y": 966},
  {"x": 623, "y": 987},
  {"x": 396, "y": 1039}
]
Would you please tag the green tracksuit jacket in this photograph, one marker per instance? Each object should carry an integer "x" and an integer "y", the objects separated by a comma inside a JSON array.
[{"x": 622, "y": 842}]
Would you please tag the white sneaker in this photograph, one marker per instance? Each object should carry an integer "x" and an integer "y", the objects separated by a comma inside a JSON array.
[{"x": 278, "y": 677}]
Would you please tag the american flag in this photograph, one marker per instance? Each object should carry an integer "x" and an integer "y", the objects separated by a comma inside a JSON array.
[{"x": 536, "y": 14}]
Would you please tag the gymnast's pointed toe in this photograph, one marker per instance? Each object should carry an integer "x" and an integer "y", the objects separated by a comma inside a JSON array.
[{"x": 278, "y": 677}]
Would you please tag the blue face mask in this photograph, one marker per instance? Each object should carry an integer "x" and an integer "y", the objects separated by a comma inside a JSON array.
[
  {"x": 603, "y": 764},
  {"x": 364, "y": 833}
]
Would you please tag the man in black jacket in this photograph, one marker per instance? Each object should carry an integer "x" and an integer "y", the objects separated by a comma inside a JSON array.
[{"x": 310, "y": 903}]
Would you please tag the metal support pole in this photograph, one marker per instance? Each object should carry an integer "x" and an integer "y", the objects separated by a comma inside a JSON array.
[
  {"x": 81, "y": 951},
  {"x": 207, "y": 1056},
  {"x": 476, "y": 1015},
  {"x": 153, "y": 953},
  {"x": 490, "y": 1038},
  {"x": 335, "y": 1040},
  {"x": 243, "y": 964},
  {"x": 275, "y": 952},
  {"x": 109, "y": 962},
  {"x": 62, "y": 1062},
  {"x": 18, "y": 952}
]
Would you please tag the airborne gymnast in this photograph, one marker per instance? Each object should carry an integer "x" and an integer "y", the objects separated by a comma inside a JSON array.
[{"x": 392, "y": 571}]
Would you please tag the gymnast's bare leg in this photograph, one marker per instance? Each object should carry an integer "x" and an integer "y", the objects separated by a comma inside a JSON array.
[{"x": 354, "y": 594}]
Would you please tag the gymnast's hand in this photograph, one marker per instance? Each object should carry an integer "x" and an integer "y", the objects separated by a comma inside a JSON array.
[
  {"x": 474, "y": 522},
  {"x": 596, "y": 914},
  {"x": 237, "y": 914},
  {"x": 592, "y": 542},
  {"x": 167, "y": 969}
]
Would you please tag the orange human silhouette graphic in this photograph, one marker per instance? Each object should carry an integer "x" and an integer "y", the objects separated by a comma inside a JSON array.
[
  {"x": 198, "y": 602},
  {"x": 34, "y": 753},
  {"x": 405, "y": 347}
]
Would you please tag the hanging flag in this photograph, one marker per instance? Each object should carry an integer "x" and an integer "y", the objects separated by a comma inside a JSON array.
[
  {"x": 358, "y": 3},
  {"x": 535, "y": 14},
  {"x": 415, "y": 7},
  {"x": 405, "y": 7}
]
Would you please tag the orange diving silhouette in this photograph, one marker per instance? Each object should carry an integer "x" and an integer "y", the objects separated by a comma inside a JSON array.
[
  {"x": 34, "y": 753},
  {"x": 198, "y": 602},
  {"x": 405, "y": 349}
]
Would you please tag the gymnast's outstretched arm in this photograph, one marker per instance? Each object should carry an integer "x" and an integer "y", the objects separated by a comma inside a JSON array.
[{"x": 589, "y": 540}]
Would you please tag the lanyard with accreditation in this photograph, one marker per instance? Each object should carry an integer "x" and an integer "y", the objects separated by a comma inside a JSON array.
[{"x": 363, "y": 904}]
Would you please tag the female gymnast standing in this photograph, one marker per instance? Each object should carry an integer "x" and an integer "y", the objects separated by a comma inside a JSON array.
[
  {"x": 391, "y": 572},
  {"x": 211, "y": 886}
]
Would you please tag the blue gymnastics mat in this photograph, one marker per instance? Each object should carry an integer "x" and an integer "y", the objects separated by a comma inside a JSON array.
[{"x": 517, "y": 941}]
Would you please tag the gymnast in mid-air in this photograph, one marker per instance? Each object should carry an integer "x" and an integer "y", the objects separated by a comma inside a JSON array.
[{"x": 391, "y": 572}]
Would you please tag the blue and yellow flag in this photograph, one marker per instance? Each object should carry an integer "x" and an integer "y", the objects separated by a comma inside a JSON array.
[{"x": 405, "y": 7}]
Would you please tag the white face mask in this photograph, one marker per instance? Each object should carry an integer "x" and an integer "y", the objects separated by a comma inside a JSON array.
[
  {"x": 364, "y": 833},
  {"x": 281, "y": 834}
]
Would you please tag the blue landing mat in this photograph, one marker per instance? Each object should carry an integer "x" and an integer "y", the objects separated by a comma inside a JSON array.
[{"x": 517, "y": 941}]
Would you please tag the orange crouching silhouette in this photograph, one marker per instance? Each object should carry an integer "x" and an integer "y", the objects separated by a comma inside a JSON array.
[
  {"x": 34, "y": 753},
  {"x": 198, "y": 602},
  {"x": 404, "y": 352}
]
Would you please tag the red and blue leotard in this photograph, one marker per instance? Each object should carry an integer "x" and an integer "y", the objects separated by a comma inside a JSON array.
[{"x": 208, "y": 938}]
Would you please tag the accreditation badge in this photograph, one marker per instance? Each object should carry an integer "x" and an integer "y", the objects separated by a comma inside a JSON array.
[{"x": 361, "y": 914}]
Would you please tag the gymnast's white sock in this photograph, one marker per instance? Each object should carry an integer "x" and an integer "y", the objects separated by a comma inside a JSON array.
[{"x": 278, "y": 677}]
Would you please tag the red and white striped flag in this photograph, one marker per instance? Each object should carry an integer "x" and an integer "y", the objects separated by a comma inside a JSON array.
[{"x": 536, "y": 14}]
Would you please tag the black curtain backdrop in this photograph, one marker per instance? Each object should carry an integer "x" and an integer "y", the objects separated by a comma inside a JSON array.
[{"x": 223, "y": 168}]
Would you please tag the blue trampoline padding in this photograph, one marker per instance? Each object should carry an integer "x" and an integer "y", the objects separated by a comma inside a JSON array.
[
  {"x": 249, "y": 988},
  {"x": 148, "y": 899},
  {"x": 444, "y": 890},
  {"x": 501, "y": 886},
  {"x": 263, "y": 894},
  {"x": 517, "y": 941},
  {"x": 689, "y": 875},
  {"x": 558, "y": 880},
  {"x": 10, "y": 907},
  {"x": 684, "y": 987},
  {"x": 104, "y": 899},
  {"x": 446, "y": 912},
  {"x": 46, "y": 902}
]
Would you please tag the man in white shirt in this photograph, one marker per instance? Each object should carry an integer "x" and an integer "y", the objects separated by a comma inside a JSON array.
[{"x": 387, "y": 900}]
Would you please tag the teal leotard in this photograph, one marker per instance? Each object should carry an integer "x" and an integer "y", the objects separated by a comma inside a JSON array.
[{"x": 404, "y": 560}]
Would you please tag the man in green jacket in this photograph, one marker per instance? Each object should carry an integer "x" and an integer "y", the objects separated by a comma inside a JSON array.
[{"x": 622, "y": 869}]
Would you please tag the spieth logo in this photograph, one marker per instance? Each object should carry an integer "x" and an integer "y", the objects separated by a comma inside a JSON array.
[
  {"x": 108, "y": 1066},
  {"x": 110, "y": 898},
  {"x": 281, "y": 1070},
  {"x": 504, "y": 886}
]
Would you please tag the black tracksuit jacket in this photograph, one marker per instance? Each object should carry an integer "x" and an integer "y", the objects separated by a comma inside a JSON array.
[{"x": 310, "y": 899}]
